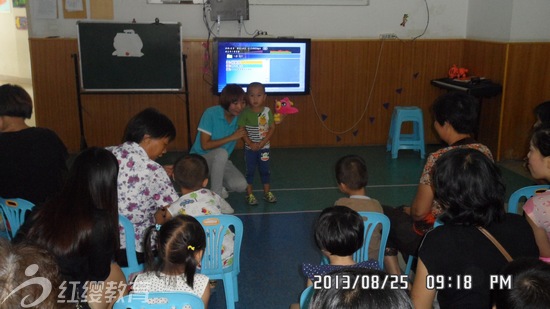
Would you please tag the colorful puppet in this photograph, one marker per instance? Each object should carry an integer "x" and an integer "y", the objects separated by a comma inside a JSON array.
[{"x": 284, "y": 107}]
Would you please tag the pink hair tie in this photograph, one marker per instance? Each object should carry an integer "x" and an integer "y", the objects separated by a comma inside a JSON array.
[{"x": 545, "y": 259}]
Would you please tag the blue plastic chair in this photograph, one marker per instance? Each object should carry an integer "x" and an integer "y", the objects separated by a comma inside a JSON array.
[
  {"x": 176, "y": 300},
  {"x": 305, "y": 298},
  {"x": 525, "y": 192},
  {"x": 215, "y": 227},
  {"x": 14, "y": 211},
  {"x": 408, "y": 268},
  {"x": 371, "y": 221},
  {"x": 414, "y": 141},
  {"x": 131, "y": 257}
]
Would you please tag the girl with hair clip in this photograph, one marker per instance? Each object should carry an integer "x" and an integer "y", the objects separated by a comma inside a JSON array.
[
  {"x": 536, "y": 208},
  {"x": 180, "y": 244}
]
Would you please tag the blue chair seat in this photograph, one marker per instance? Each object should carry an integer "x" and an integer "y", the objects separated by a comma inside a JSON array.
[
  {"x": 525, "y": 192},
  {"x": 14, "y": 211},
  {"x": 158, "y": 300}
]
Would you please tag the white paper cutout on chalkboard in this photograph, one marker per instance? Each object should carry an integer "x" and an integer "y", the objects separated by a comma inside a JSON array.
[{"x": 127, "y": 44}]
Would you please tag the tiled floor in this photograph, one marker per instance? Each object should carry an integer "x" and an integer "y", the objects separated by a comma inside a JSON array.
[{"x": 278, "y": 237}]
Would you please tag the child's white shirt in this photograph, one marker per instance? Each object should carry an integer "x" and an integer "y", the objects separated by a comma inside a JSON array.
[
  {"x": 204, "y": 202},
  {"x": 152, "y": 282}
]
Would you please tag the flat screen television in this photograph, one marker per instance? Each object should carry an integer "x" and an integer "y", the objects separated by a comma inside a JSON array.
[{"x": 282, "y": 65}]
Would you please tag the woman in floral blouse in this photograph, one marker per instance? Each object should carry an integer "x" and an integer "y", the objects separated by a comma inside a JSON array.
[
  {"x": 143, "y": 184},
  {"x": 455, "y": 121}
]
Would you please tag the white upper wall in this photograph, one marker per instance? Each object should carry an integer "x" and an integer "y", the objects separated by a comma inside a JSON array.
[
  {"x": 447, "y": 19},
  {"x": 14, "y": 46},
  {"x": 509, "y": 20},
  {"x": 490, "y": 20},
  {"x": 530, "y": 21}
]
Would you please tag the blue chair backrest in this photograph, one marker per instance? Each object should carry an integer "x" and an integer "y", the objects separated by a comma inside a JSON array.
[
  {"x": 371, "y": 220},
  {"x": 215, "y": 227},
  {"x": 176, "y": 300},
  {"x": 525, "y": 192},
  {"x": 131, "y": 257},
  {"x": 14, "y": 211},
  {"x": 305, "y": 298}
]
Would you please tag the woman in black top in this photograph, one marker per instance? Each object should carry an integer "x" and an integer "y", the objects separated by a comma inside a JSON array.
[
  {"x": 32, "y": 160},
  {"x": 80, "y": 226},
  {"x": 457, "y": 259}
]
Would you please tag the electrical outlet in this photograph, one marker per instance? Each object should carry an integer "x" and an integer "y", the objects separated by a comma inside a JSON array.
[{"x": 385, "y": 36}]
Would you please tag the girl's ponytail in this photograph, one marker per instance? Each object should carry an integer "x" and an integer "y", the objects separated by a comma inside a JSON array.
[
  {"x": 148, "y": 250},
  {"x": 178, "y": 242}
]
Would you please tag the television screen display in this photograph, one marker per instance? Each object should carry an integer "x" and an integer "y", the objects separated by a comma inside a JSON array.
[{"x": 282, "y": 65}]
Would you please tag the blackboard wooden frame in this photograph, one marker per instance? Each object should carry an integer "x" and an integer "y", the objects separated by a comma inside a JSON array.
[{"x": 104, "y": 68}]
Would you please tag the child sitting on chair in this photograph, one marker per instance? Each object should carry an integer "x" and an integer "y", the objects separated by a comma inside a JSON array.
[
  {"x": 352, "y": 177},
  {"x": 180, "y": 243},
  {"x": 191, "y": 175},
  {"x": 338, "y": 234}
]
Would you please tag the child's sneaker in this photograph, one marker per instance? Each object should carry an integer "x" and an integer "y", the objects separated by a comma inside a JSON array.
[
  {"x": 270, "y": 198},
  {"x": 251, "y": 199}
]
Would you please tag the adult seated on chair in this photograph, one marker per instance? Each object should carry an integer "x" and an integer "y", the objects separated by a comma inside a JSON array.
[
  {"x": 456, "y": 120},
  {"x": 469, "y": 187},
  {"x": 22, "y": 263},
  {"x": 338, "y": 234},
  {"x": 356, "y": 297},
  {"x": 80, "y": 228},
  {"x": 32, "y": 160},
  {"x": 536, "y": 208},
  {"x": 143, "y": 184}
]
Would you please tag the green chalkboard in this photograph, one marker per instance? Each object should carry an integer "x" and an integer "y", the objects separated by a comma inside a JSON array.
[{"x": 128, "y": 57}]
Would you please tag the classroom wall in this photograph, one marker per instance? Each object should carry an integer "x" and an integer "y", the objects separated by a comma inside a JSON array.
[
  {"x": 509, "y": 20},
  {"x": 530, "y": 21},
  {"x": 447, "y": 19},
  {"x": 490, "y": 20},
  {"x": 14, "y": 47},
  {"x": 350, "y": 101},
  {"x": 500, "y": 37}
]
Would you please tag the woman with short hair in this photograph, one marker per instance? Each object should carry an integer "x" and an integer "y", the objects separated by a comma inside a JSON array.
[
  {"x": 457, "y": 259},
  {"x": 32, "y": 160}
]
